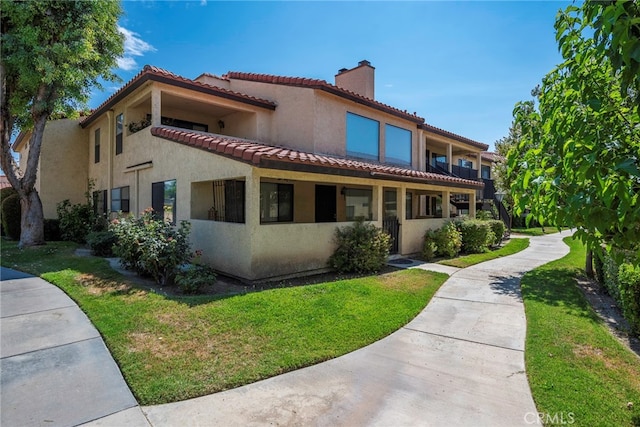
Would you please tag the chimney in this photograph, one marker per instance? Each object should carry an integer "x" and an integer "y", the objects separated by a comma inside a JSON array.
[{"x": 360, "y": 79}]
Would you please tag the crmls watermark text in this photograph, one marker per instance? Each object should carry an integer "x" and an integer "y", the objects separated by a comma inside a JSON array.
[{"x": 559, "y": 418}]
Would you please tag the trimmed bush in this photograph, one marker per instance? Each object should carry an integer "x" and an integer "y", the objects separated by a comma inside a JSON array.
[
  {"x": 629, "y": 284},
  {"x": 52, "y": 230},
  {"x": 430, "y": 247},
  {"x": 448, "y": 240},
  {"x": 4, "y": 193},
  {"x": 11, "y": 216},
  {"x": 76, "y": 221},
  {"x": 498, "y": 229},
  {"x": 476, "y": 236},
  {"x": 152, "y": 247},
  {"x": 194, "y": 277},
  {"x": 102, "y": 242},
  {"x": 361, "y": 248}
]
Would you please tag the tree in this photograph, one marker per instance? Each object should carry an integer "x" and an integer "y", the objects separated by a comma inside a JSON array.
[
  {"x": 52, "y": 54},
  {"x": 578, "y": 161}
]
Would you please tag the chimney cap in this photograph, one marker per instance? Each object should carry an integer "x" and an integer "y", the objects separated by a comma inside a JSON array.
[
  {"x": 364, "y": 62},
  {"x": 342, "y": 70}
]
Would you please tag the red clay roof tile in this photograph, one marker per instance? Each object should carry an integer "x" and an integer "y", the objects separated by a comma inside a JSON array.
[{"x": 260, "y": 154}]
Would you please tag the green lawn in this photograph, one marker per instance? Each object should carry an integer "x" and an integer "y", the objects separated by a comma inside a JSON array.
[
  {"x": 513, "y": 246},
  {"x": 535, "y": 231},
  {"x": 177, "y": 348},
  {"x": 576, "y": 367}
]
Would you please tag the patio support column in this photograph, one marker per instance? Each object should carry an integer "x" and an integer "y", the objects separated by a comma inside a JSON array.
[
  {"x": 446, "y": 195},
  {"x": 472, "y": 205},
  {"x": 422, "y": 150},
  {"x": 377, "y": 204},
  {"x": 402, "y": 215},
  {"x": 252, "y": 196},
  {"x": 479, "y": 165},
  {"x": 449, "y": 157},
  {"x": 156, "y": 107}
]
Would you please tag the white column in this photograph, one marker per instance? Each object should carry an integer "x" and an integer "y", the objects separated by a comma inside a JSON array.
[
  {"x": 422, "y": 150},
  {"x": 449, "y": 156},
  {"x": 472, "y": 205},
  {"x": 446, "y": 195},
  {"x": 377, "y": 201},
  {"x": 156, "y": 106},
  {"x": 479, "y": 164}
]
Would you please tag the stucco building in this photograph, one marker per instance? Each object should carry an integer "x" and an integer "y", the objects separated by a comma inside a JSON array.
[{"x": 264, "y": 167}]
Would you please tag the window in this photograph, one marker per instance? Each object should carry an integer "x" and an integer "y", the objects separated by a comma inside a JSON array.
[
  {"x": 228, "y": 201},
  {"x": 163, "y": 200},
  {"x": 276, "y": 202},
  {"x": 438, "y": 158},
  {"x": 358, "y": 204},
  {"x": 409, "y": 206},
  {"x": 119, "y": 130},
  {"x": 96, "y": 147},
  {"x": 100, "y": 202},
  {"x": 363, "y": 137},
  {"x": 486, "y": 172},
  {"x": 464, "y": 163},
  {"x": 390, "y": 204},
  {"x": 120, "y": 199},
  {"x": 397, "y": 146}
]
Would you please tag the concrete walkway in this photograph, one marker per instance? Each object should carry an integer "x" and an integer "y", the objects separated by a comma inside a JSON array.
[
  {"x": 54, "y": 367},
  {"x": 459, "y": 362}
]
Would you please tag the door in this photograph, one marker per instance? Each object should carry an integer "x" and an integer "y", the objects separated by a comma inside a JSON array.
[
  {"x": 326, "y": 203},
  {"x": 391, "y": 223}
]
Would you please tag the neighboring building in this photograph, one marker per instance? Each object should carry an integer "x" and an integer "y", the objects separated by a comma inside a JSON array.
[{"x": 264, "y": 167}]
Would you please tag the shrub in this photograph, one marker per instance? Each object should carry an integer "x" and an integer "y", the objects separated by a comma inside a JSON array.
[
  {"x": 11, "y": 216},
  {"x": 76, "y": 221},
  {"x": 361, "y": 248},
  {"x": 498, "y": 229},
  {"x": 448, "y": 240},
  {"x": 195, "y": 276},
  {"x": 484, "y": 215},
  {"x": 629, "y": 285},
  {"x": 4, "y": 193},
  {"x": 476, "y": 236},
  {"x": 52, "y": 230},
  {"x": 430, "y": 247},
  {"x": 151, "y": 246},
  {"x": 102, "y": 242}
]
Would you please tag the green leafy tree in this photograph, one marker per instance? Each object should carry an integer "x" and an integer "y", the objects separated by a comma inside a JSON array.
[
  {"x": 52, "y": 54},
  {"x": 577, "y": 162}
]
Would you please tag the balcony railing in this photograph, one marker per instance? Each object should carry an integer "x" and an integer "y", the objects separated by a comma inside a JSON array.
[{"x": 466, "y": 173}]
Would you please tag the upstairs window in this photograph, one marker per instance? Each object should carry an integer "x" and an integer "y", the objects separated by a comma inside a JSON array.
[
  {"x": 96, "y": 146},
  {"x": 363, "y": 137},
  {"x": 397, "y": 146},
  {"x": 120, "y": 199},
  {"x": 486, "y": 172},
  {"x": 464, "y": 163},
  {"x": 163, "y": 200},
  {"x": 119, "y": 131},
  {"x": 276, "y": 202}
]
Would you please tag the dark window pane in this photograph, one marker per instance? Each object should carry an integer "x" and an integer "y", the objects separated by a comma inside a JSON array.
[
  {"x": 397, "y": 145},
  {"x": 363, "y": 137}
]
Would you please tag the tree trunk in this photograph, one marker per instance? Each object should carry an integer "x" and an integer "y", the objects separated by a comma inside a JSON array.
[
  {"x": 32, "y": 220},
  {"x": 589, "y": 264}
]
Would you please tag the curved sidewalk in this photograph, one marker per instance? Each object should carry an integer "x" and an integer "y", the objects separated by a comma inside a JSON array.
[
  {"x": 54, "y": 367},
  {"x": 460, "y": 362}
]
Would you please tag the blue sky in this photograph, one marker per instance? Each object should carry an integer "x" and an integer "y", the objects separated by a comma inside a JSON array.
[{"x": 460, "y": 65}]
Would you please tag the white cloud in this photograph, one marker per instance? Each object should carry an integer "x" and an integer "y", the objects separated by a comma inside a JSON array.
[{"x": 133, "y": 46}]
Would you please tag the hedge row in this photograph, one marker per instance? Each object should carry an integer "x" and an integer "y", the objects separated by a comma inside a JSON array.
[
  {"x": 469, "y": 236},
  {"x": 622, "y": 282}
]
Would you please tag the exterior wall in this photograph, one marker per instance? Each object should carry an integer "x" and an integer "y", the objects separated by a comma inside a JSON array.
[
  {"x": 225, "y": 246},
  {"x": 412, "y": 233},
  {"x": 62, "y": 173},
  {"x": 99, "y": 172}
]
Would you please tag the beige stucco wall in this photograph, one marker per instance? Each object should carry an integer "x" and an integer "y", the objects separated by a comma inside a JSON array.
[
  {"x": 62, "y": 173},
  {"x": 412, "y": 230}
]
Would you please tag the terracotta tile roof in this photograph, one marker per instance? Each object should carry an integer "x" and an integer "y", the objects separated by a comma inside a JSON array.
[
  {"x": 158, "y": 74},
  {"x": 263, "y": 155},
  {"x": 327, "y": 87},
  {"x": 491, "y": 156},
  {"x": 448, "y": 134},
  {"x": 4, "y": 182}
]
